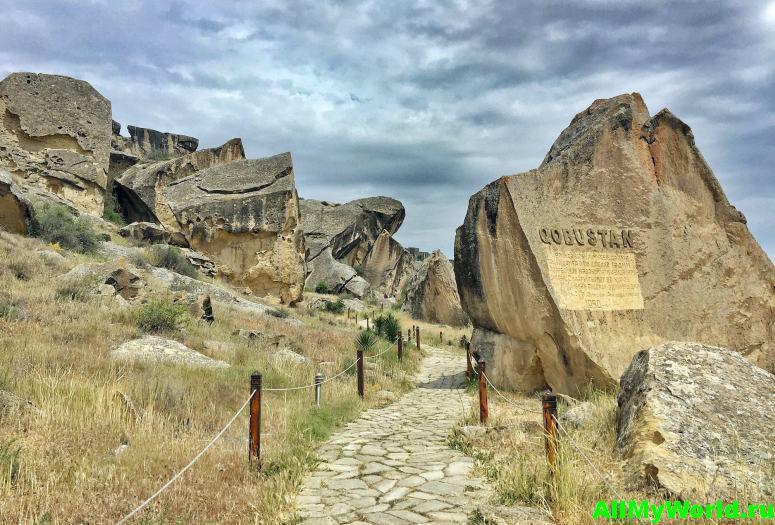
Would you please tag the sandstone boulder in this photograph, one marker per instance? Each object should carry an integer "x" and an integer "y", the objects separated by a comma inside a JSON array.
[
  {"x": 698, "y": 420},
  {"x": 431, "y": 293},
  {"x": 151, "y": 233},
  {"x": 381, "y": 260},
  {"x": 138, "y": 190},
  {"x": 149, "y": 143},
  {"x": 55, "y": 135},
  {"x": 244, "y": 215},
  {"x": 15, "y": 210},
  {"x": 152, "y": 349},
  {"x": 345, "y": 234},
  {"x": 621, "y": 239}
]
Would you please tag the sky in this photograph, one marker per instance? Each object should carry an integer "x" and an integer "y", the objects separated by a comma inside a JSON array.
[{"x": 424, "y": 101}]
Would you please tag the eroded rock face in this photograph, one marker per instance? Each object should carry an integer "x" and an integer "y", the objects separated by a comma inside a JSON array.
[
  {"x": 381, "y": 259},
  {"x": 138, "y": 189},
  {"x": 146, "y": 145},
  {"x": 698, "y": 421},
  {"x": 620, "y": 240},
  {"x": 55, "y": 134},
  {"x": 245, "y": 216},
  {"x": 345, "y": 234},
  {"x": 431, "y": 293}
]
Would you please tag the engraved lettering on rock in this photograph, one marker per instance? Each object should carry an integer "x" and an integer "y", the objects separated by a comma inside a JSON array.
[{"x": 594, "y": 280}]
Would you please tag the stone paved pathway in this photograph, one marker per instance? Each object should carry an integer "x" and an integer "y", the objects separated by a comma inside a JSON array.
[{"x": 393, "y": 466}]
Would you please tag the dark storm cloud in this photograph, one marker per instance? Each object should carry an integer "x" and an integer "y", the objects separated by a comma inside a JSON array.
[{"x": 426, "y": 101}]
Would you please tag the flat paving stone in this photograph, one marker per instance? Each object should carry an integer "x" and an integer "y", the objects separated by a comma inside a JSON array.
[{"x": 393, "y": 466}]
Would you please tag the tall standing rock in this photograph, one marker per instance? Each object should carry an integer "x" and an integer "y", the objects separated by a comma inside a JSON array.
[
  {"x": 620, "y": 240},
  {"x": 431, "y": 293},
  {"x": 55, "y": 134}
]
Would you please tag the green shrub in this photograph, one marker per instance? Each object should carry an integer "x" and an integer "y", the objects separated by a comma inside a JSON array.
[
  {"x": 391, "y": 328},
  {"x": 379, "y": 324},
  {"x": 280, "y": 313},
  {"x": 20, "y": 270},
  {"x": 56, "y": 224},
  {"x": 10, "y": 310},
  {"x": 336, "y": 307},
  {"x": 111, "y": 215},
  {"x": 172, "y": 258},
  {"x": 77, "y": 288},
  {"x": 365, "y": 340},
  {"x": 321, "y": 288},
  {"x": 160, "y": 315}
]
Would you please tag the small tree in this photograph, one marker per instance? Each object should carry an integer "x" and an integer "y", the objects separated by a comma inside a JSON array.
[
  {"x": 322, "y": 287},
  {"x": 391, "y": 327}
]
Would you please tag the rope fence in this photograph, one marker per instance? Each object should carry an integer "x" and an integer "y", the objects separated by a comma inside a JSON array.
[{"x": 254, "y": 431}]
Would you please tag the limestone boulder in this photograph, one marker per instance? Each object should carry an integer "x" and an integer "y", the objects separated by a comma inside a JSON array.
[
  {"x": 431, "y": 293},
  {"x": 152, "y": 349},
  {"x": 138, "y": 190},
  {"x": 620, "y": 240},
  {"x": 244, "y": 215},
  {"x": 698, "y": 420},
  {"x": 55, "y": 135}
]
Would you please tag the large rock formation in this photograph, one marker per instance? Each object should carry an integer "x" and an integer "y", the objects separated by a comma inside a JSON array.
[
  {"x": 340, "y": 237},
  {"x": 620, "y": 240},
  {"x": 245, "y": 216},
  {"x": 431, "y": 294},
  {"x": 55, "y": 134},
  {"x": 146, "y": 145},
  {"x": 698, "y": 420}
]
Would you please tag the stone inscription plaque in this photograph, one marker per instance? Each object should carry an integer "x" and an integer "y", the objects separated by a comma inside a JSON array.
[{"x": 594, "y": 280}]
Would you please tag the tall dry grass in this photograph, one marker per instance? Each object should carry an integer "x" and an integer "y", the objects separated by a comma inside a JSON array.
[{"x": 71, "y": 466}]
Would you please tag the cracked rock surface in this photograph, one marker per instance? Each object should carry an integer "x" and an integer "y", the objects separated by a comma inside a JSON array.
[{"x": 393, "y": 465}]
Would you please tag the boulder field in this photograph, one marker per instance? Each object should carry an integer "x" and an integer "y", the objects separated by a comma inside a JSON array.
[{"x": 621, "y": 239}]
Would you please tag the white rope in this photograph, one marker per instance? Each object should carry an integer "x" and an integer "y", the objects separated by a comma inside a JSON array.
[
  {"x": 330, "y": 378},
  {"x": 190, "y": 464}
]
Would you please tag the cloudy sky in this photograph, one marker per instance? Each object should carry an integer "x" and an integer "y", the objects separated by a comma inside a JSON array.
[{"x": 425, "y": 101}]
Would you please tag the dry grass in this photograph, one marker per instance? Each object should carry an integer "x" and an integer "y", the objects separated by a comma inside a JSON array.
[
  {"x": 512, "y": 456},
  {"x": 55, "y": 354}
]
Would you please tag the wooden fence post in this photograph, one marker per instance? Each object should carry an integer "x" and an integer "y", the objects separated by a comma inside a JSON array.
[
  {"x": 469, "y": 367},
  {"x": 359, "y": 357},
  {"x": 254, "y": 445},
  {"x": 356, "y": 318},
  {"x": 549, "y": 403},
  {"x": 348, "y": 314},
  {"x": 441, "y": 336},
  {"x": 408, "y": 335},
  {"x": 484, "y": 410},
  {"x": 367, "y": 323},
  {"x": 418, "y": 338},
  {"x": 400, "y": 346}
]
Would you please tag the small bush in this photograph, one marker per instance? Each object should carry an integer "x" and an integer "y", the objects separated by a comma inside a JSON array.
[
  {"x": 336, "y": 307},
  {"x": 160, "y": 315},
  {"x": 387, "y": 326},
  {"x": 172, "y": 258},
  {"x": 10, "y": 310},
  {"x": 280, "y": 313},
  {"x": 111, "y": 215},
  {"x": 55, "y": 224},
  {"x": 322, "y": 288},
  {"x": 365, "y": 340},
  {"x": 20, "y": 270},
  {"x": 77, "y": 288}
]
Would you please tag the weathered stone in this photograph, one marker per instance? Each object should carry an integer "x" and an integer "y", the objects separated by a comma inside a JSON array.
[
  {"x": 152, "y": 233},
  {"x": 381, "y": 259},
  {"x": 55, "y": 135},
  {"x": 159, "y": 350},
  {"x": 345, "y": 234},
  {"x": 150, "y": 144},
  {"x": 285, "y": 354},
  {"x": 431, "y": 293},
  {"x": 698, "y": 421},
  {"x": 502, "y": 515},
  {"x": 621, "y": 239},
  {"x": 125, "y": 280},
  {"x": 15, "y": 210},
  {"x": 245, "y": 216},
  {"x": 578, "y": 415},
  {"x": 11, "y": 403},
  {"x": 138, "y": 189}
]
